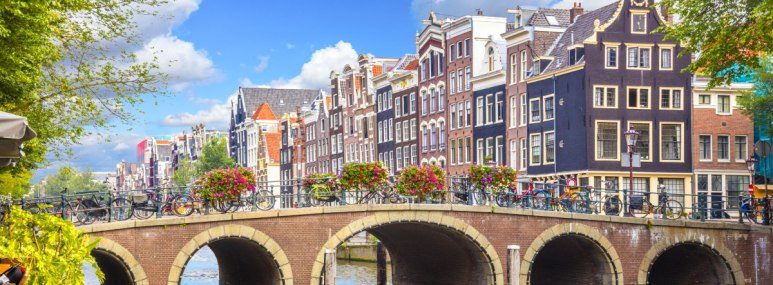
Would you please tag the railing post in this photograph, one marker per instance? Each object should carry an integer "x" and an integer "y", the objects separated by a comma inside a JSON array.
[
  {"x": 381, "y": 265},
  {"x": 470, "y": 198},
  {"x": 663, "y": 207},
  {"x": 23, "y": 203},
  {"x": 298, "y": 191},
  {"x": 626, "y": 211},
  {"x": 254, "y": 200},
  {"x": 703, "y": 216},
  {"x": 343, "y": 196},
  {"x": 158, "y": 202},
  {"x": 514, "y": 264},
  {"x": 740, "y": 209},
  {"x": 63, "y": 210},
  {"x": 330, "y": 266},
  {"x": 109, "y": 207}
]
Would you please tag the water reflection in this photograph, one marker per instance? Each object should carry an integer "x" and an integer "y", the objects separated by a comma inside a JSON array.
[{"x": 356, "y": 273}]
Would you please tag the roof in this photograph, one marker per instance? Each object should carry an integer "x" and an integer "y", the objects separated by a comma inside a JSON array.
[
  {"x": 412, "y": 65},
  {"x": 264, "y": 112},
  {"x": 540, "y": 17},
  {"x": 377, "y": 69},
  {"x": 280, "y": 100},
  {"x": 582, "y": 28},
  {"x": 328, "y": 102},
  {"x": 273, "y": 144}
]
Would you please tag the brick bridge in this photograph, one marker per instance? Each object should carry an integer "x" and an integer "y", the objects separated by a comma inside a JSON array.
[{"x": 440, "y": 244}]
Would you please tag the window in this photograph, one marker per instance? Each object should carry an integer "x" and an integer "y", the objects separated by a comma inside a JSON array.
[
  {"x": 536, "y": 149},
  {"x": 670, "y": 99},
  {"x": 467, "y": 47},
  {"x": 460, "y": 122},
  {"x": 611, "y": 58},
  {"x": 523, "y": 66},
  {"x": 424, "y": 102},
  {"x": 666, "y": 61},
  {"x": 605, "y": 97},
  {"x": 704, "y": 147},
  {"x": 671, "y": 142},
  {"x": 441, "y": 99},
  {"x": 380, "y": 132},
  {"x": 442, "y": 139},
  {"x": 398, "y": 132},
  {"x": 452, "y": 118},
  {"x": 459, "y": 50},
  {"x": 379, "y": 103},
  {"x": 535, "y": 110},
  {"x": 643, "y": 142},
  {"x": 432, "y": 101},
  {"x": 524, "y": 151},
  {"x": 490, "y": 59},
  {"x": 414, "y": 158},
  {"x": 459, "y": 81},
  {"x": 452, "y": 84},
  {"x": 638, "y": 98},
  {"x": 451, "y": 55},
  {"x": 433, "y": 137},
  {"x": 607, "y": 140},
  {"x": 639, "y": 23},
  {"x": 391, "y": 135},
  {"x": 524, "y": 114},
  {"x": 467, "y": 76},
  {"x": 489, "y": 108},
  {"x": 406, "y": 131},
  {"x": 513, "y": 153},
  {"x": 413, "y": 103},
  {"x": 740, "y": 148},
  {"x": 413, "y": 129},
  {"x": 480, "y": 155},
  {"x": 723, "y": 148},
  {"x": 513, "y": 68},
  {"x": 639, "y": 57},
  {"x": 399, "y": 158},
  {"x": 397, "y": 107},
  {"x": 704, "y": 99},
  {"x": 453, "y": 152},
  {"x": 489, "y": 150},
  {"x": 479, "y": 112},
  {"x": 499, "y": 97},
  {"x": 425, "y": 138},
  {"x": 723, "y": 104},
  {"x": 549, "y": 107},
  {"x": 468, "y": 152},
  {"x": 550, "y": 147},
  {"x": 441, "y": 63},
  {"x": 674, "y": 188},
  {"x": 513, "y": 110},
  {"x": 736, "y": 184}
]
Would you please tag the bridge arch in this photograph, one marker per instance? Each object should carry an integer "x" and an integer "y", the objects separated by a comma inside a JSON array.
[
  {"x": 554, "y": 249},
  {"x": 441, "y": 229},
  {"x": 118, "y": 264},
  {"x": 701, "y": 259},
  {"x": 254, "y": 248}
]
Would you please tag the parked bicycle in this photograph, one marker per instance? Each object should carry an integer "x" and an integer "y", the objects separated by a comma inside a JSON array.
[
  {"x": 322, "y": 192},
  {"x": 753, "y": 209},
  {"x": 381, "y": 195},
  {"x": 146, "y": 204},
  {"x": 568, "y": 201},
  {"x": 609, "y": 203},
  {"x": 461, "y": 191},
  {"x": 667, "y": 208}
]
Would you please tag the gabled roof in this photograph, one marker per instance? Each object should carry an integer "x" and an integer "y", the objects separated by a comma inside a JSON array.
[
  {"x": 582, "y": 28},
  {"x": 281, "y": 100},
  {"x": 273, "y": 145},
  {"x": 377, "y": 69},
  {"x": 540, "y": 18},
  {"x": 264, "y": 112},
  {"x": 413, "y": 65}
]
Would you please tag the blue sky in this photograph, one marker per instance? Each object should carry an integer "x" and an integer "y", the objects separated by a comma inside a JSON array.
[{"x": 213, "y": 47}]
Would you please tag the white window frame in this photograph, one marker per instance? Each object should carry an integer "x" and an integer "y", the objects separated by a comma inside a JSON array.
[
  {"x": 638, "y": 97},
  {"x": 607, "y": 48},
  {"x": 729, "y": 147},
  {"x": 670, "y": 49},
  {"x": 729, "y": 104},
  {"x": 710, "y": 146},
  {"x": 649, "y": 126},
  {"x": 740, "y": 158},
  {"x": 545, "y": 109},
  {"x": 681, "y": 142},
  {"x": 532, "y": 160},
  {"x": 596, "y": 140},
  {"x": 670, "y": 98},
  {"x": 524, "y": 66},
  {"x": 605, "y": 104},
  {"x": 635, "y": 13},
  {"x": 531, "y": 117},
  {"x": 545, "y": 147}
]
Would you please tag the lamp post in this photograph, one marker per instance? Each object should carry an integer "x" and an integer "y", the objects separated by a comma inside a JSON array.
[
  {"x": 750, "y": 164},
  {"x": 631, "y": 136}
]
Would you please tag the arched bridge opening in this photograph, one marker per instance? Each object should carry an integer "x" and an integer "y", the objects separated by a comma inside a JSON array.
[
  {"x": 690, "y": 263},
  {"x": 115, "y": 269},
  {"x": 572, "y": 259}
]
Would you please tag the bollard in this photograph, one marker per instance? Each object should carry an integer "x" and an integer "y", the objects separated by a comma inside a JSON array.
[
  {"x": 381, "y": 264},
  {"x": 330, "y": 266},
  {"x": 514, "y": 264},
  {"x": 740, "y": 209},
  {"x": 23, "y": 203},
  {"x": 298, "y": 192}
]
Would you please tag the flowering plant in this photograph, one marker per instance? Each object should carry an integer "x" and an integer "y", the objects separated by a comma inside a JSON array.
[
  {"x": 226, "y": 184},
  {"x": 497, "y": 176},
  {"x": 309, "y": 181},
  {"x": 364, "y": 175},
  {"x": 421, "y": 180}
]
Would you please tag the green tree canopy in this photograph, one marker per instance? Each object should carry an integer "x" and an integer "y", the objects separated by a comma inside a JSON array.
[
  {"x": 214, "y": 155},
  {"x": 70, "y": 178},
  {"x": 186, "y": 172},
  {"x": 15, "y": 184},
  {"x": 758, "y": 102},
  {"x": 729, "y": 35}
]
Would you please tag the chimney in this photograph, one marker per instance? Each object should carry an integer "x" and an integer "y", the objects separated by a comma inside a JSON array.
[
  {"x": 478, "y": 12},
  {"x": 575, "y": 12}
]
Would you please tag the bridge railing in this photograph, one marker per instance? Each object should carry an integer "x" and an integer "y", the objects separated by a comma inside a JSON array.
[{"x": 608, "y": 199}]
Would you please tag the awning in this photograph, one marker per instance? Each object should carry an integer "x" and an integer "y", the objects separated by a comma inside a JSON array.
[{"x": 13, "y": 132}]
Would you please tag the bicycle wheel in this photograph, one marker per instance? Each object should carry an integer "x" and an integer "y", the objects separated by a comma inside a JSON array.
[
  {"x": 459, "y": 193},
  {"x": 182, "y": 205},
  {"x": 672, "y": 210},
  {"x": 541, "y": 200},
  {"x": 67, "y": 211},
  {"x": 265, "y": 200},
  {"x": 85, "y": 216},
  {"x": 612, "y": 206},
  {"x": 503, "y": 199},
  {"x": 480, "y": 196},
  {"x": 121, "y": 209},
  {"x": 222, "y": 206},
  {"x": 145, "y": 210},
  {"x": 641, "y": 211},
  {"x": 579, "y": 204}
]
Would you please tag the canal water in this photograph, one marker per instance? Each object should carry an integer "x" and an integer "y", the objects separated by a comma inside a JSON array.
[{"x": 202, "y": 270}]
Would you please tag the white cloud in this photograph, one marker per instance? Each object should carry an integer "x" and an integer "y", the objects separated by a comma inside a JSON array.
[
  {"x": 314, "y": 73},
  {"x": 121, "y": 146},
  {"x": 263, "y": 64},
  {"x": 180, "y": 60},
  {"x": 290, "y": 46},
  {"x": 218, "y": 116}
]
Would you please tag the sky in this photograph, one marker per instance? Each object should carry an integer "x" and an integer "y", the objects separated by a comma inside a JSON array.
[{"x": 210, "y": 48}]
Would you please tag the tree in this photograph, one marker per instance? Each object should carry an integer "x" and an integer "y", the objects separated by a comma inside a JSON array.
[
  {"x": 72, "y": 69},
  {"x": 758, "y": 102},
  {"x": 15, "y": 185},
  {"x": 70, "y": 178},
  {"x": 214, "y": 156},
  {"x": 49, "y": 247},
  {"x": 186, "y": 172},
  {"x": 729, "y": 35}
]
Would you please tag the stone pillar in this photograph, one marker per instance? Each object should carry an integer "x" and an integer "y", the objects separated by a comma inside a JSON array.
[
  {"x": 514, "y": 264},
  {"x": 381, "y": 264},
  {"x": 330, "y": 266}
]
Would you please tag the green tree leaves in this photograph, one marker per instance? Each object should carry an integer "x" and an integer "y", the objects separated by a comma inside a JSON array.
[
  {"x": 70, "y": 178},
  {"x": 758, "y": 102},
  {"x": 214, "y": 155}
]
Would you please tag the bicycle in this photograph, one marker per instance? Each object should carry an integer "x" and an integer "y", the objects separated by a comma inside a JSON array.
[
  {"x": 641, "y": 207},
  {"x": 610, "y": 203},
  {"x": 461, "y": 193},
  {"x": 145, "y": 205},
  {"x": 566, "y": 202},
  {"x": 753, "y": 208},
  {"x": 381, "y": 195}
]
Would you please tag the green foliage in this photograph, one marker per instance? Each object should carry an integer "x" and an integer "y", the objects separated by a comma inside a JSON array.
[
  {"x": 730, "y": 35},
  {"x": 70, "y": 178},
  {"x": 15, "y": 184},
  {"x": 364, "y": 176},
  {"x": 421, "y": 180},
  {"x": 72, "y": 69},
  {"x": 327, "y": 179},
  {"x": 51, "y": 249},
  {"x": 226, "y": 184},
  {"x": 186, "y": 172},
  {"x": 214, "y": 155},
  {"x": 758, "y": 102}
]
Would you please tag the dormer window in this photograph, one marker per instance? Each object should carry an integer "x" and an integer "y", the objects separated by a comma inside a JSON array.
[
  {"x": 536, "y": 70},
  {"x": 490, "y": 59},
  {"x": 575, "y": 55},
  {"x": 639, "y": 23}
]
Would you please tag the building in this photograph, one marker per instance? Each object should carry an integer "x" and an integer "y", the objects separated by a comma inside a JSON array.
[
  {"x": 606, "y": 73},
  {"x": 430, "y": 45},
  {"x": 385, "y": 115},
  {"x": 488, "y": 89},
  {"x": 531, "y": 34},
  {"x": 291, "y": 156},
  {"x": 404, "y": 93},
  {"x": 336, "y": 135},
  {"x": 723, "y": 140}
]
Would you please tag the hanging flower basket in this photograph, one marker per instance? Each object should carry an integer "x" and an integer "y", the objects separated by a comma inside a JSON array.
[
  {"x": 364, "y": 176},
  {"x": 421, "y": 181},
  {"x": 226, "y": 184},
  {"x": 496, "y": 177}
]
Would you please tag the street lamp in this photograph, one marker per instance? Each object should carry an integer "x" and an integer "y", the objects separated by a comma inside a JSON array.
[
  {"x": 751, "y": 163},
  {"x": 631, "y": 136}
]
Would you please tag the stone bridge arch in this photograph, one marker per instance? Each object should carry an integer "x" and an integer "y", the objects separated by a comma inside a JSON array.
[
  {"x": 699, "y": 257},
  {"x": 118, "y": 264},
  {"x": 553, "y": 249},
  {"x": 255, "y": 249},
  {"x": 432, "y": 225}
]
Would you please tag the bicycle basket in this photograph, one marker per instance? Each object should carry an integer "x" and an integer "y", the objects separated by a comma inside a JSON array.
[
  {"x": 637, "y": 202},
  {"x": 140, "y": 198}
]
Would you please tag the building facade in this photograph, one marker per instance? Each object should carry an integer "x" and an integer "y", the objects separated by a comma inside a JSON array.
[{"x": 430, "y": 45}]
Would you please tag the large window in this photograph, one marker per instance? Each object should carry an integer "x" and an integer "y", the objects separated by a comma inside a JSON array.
[
  {"x": 452, "y": 118},
  {"x": 638, "y": 98},
  {"x": 536, "y": 149},
  {"x": 468, "y": 152},
  {"x": 452, "y": 84},
  {"x": 479, "y": 115},
  {"x": 671, "y": 142},
  {"x": 643, "y": 142},
  {"x": 639, "y": 23},
  {"x": 534, "y": 109},
  {"x": 432, "y": 100},
  {"x": 524, "y": 63},
  {"x": 441, "y": 99},
  {"x": 433, "y": 137},
  {"x": 489, "y": 108},
  {"x": 513, "y": 68},
  {"x": 611, "y": 58},
  {"x": 674, "y": 188},
  {"x": 460, "y": 121},
  {"x": 453, "y": 152},
  {"x": 424, "y": 99},
  {"x": 480, "y": 148},
  {"x": 736, "y": 184},
  {"x": 500, "y": 145},
  {"x": 670, "y": 99},
  {"x": 413, "y": 103},
  {"x": 639, "y": 57},
  {"x": 666, "y": 60},
  {"x": 413, "y": 129},
  {"x": 513, "y": 153},
  {"x": 467, "y": 47},
  {"x": 549, "y": 107},
  {"x": 550, "y": 147},
  {"x": 499, "y": 98},
  {"x": 424, "y": 138},
  {"x": 460, "y": 151},
  {"x": 459, "y": 80},
  {"x": 605, "y": 97},
  {"x": 607, "y": 140},
  {"x": 524, "y": 113},
  {"x": 467, "y": 78},
  {"x": 723, "y": 104},
  {"x": 740, "y": 148},
  {"x": 513, "y": 111},
  {"x": 524, "y": 152},
  {"x": 723, "y": 148},
  {"x": 397, "y": 108},
  {"x": 704, "y": 147}
]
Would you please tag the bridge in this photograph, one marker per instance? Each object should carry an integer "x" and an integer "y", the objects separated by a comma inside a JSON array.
[{"x": 439, "y": 244}]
